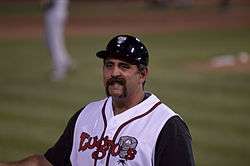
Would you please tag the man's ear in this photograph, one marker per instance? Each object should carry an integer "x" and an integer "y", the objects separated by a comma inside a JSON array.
[{"x": 144, "y": 73}]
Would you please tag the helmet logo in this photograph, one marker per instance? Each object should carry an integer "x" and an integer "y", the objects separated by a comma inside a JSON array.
[
  {"x": 121, "y": 39},
  {"x": 132, "y": 50}
]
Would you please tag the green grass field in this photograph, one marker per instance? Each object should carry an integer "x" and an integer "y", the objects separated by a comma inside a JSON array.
[{"x": 214, "y": 103}]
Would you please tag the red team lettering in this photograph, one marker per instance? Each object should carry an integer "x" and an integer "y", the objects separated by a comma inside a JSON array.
[{"x": 102, "y": 145}]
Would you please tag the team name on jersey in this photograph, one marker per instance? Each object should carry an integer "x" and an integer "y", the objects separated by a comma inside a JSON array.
[{"x": 125, "y": 148}]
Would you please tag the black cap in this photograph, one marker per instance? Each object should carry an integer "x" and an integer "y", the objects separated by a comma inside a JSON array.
[{"x": 127, "y": 48}]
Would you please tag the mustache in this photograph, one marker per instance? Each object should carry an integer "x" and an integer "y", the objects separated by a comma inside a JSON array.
[{"x": 117, "y": 80}]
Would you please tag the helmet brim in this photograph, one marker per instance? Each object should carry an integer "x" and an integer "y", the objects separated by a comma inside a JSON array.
[{"x": 101, "y": 54}]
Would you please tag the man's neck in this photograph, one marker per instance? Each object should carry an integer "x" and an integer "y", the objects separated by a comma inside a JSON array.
[{"x": 122, "y": 104}]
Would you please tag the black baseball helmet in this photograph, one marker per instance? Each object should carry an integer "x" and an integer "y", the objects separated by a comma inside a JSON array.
[{"x": 127, "y": 48}]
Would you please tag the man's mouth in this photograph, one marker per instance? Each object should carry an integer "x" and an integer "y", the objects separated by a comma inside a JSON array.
[{"x": 116, "y": 83}]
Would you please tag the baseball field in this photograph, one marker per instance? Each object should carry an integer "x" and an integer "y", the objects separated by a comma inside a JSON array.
[{"x": 199, "y": 66}]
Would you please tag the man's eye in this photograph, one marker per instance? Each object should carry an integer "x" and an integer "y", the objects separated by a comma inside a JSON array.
[
  {"x": 125, "y": 66},
  {"x": 108, "y": 65}
]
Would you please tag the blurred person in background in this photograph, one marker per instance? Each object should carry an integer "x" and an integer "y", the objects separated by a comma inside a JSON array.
[
  {"x": 55, "y": 17},
  {"x": 183, "y": 3},
  {"x": 169, "y": 3},
  {"x": 224, "y": 4},
  {"x": 157, "y": 3}
]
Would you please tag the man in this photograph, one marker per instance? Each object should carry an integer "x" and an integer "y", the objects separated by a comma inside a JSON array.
[
  {"x": 55, "y": 17},
  {"x": 129, "y": 127}
]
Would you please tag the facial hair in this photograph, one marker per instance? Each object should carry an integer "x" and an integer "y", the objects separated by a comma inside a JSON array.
[{"x": 113, "y": 80}]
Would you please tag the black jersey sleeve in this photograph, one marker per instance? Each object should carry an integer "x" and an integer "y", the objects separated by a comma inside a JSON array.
[
  {"x": 174, "y": 144},
  {"x": 59, "y": 154}
]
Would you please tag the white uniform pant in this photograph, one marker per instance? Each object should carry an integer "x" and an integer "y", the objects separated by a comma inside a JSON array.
[{"x": 54, "y": 22}]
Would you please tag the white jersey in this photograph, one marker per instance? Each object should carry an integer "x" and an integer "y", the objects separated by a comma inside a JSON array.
[{"x": 129, "y": 138}]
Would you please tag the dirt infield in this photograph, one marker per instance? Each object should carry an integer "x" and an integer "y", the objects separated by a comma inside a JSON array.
[
  {"x": 158, "y": 23},
  {"x": 149, "y": 21}
]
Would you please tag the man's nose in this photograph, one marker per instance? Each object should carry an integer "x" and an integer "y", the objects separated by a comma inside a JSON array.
[{"x": 115, "y": 71}]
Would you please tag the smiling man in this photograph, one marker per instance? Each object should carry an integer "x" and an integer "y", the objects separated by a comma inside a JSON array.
[
  {"x": 129, "y": 127},
  {"x": 123, "y": 82}
]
